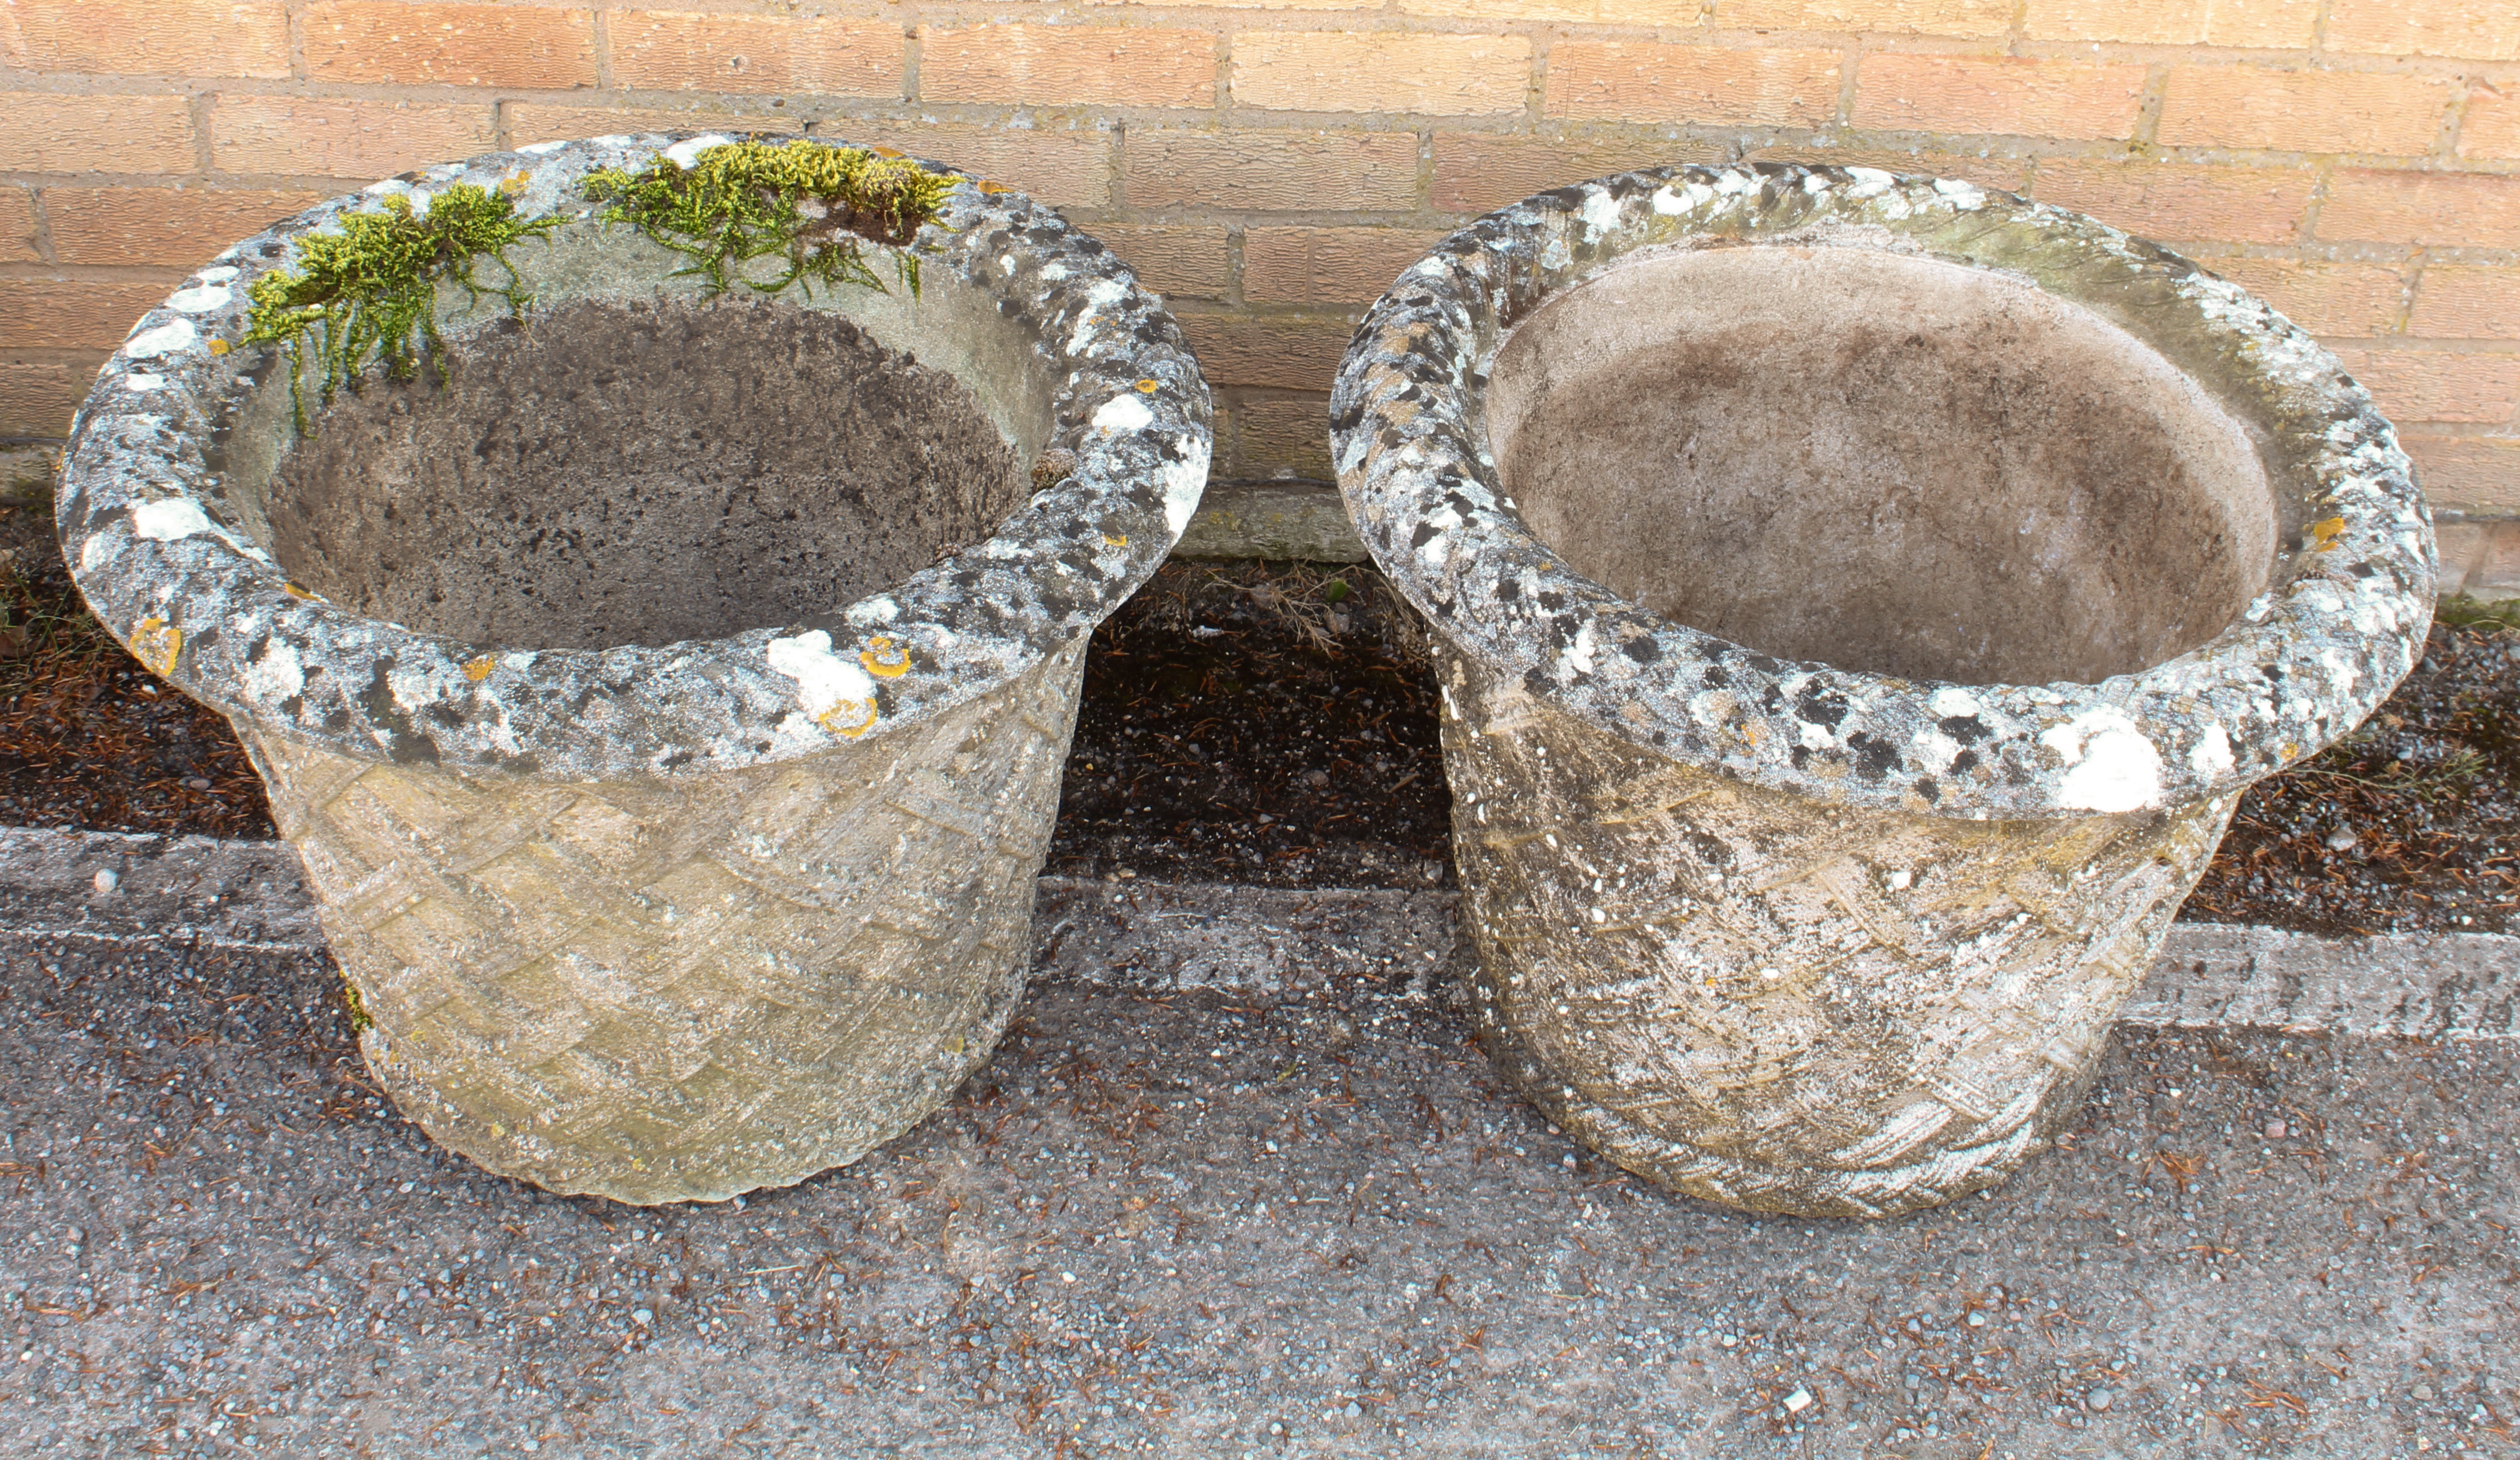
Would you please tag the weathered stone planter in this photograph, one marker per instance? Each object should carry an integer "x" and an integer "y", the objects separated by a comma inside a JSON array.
[
  {"x": 1861, "y": 600},
  {"x": 669, "y": 710}
]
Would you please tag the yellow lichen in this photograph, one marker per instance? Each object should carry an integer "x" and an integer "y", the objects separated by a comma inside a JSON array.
[
  {"x": 156, "y": 643},
  {"x": 850, "y": 718},
  {"x": 477, "y": 670},
  {"x": 885, "y": 657}
]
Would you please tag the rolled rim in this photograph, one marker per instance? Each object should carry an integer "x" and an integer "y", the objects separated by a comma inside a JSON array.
[
  {"x": 168, "y": 563},
  {"x": 2342, "y": 620}
]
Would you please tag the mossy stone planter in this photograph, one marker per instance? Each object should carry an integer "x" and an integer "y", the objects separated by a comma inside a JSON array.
[
  {"x": 669, "y": 708},
  {"x": 1861, "y": 600}
]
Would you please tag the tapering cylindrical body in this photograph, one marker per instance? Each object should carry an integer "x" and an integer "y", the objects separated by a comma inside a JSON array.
[{"x": 668, "y": 701}]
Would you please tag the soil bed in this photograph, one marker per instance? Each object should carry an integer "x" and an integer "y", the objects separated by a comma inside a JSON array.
[{"x": 1275, "y": 724}]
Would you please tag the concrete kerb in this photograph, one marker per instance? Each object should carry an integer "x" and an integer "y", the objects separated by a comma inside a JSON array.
[{"x": 1138, "y": 935}]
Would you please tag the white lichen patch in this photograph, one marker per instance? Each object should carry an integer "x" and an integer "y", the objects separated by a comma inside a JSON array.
[
  {"x": 162, "y": 342},
  {"x": 200, "y": 301},
  {"x": 2112, "y": 765},
  {"x": 1122, "y": 414},
  {"x": 825, "y": 681},
  {"x": 2211, "y": 755},
  {"x": 1185, "y": 482},
  {"x": 688, "y": 151},
  {"x": 276, "y": 675}
]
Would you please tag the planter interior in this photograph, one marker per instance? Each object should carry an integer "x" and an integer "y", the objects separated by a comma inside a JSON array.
[
  {"x": 1880, "y": 463},
  {"x": 757, "y": 463}
]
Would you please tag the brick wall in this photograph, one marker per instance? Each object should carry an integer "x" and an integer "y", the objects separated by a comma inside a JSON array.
[{"x": 1269, "y": 164}]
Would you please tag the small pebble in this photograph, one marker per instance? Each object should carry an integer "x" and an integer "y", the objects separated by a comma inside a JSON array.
[
  {"x": 2101, "y": 1398},
  {"x": 2420, "y": 1391},
  {"x": 107, "y": 880},
  {"x": 2275, "y": 1131},
  {"x": 197, "y": 782},
  {"x": 1798, "y": 1401},
  {"x": 2340, "y": 841}
]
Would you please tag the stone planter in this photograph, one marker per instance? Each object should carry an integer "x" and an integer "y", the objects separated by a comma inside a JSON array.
[
  {"x": 669, "y": 707},
  {"x": 1859, "y": 601}
]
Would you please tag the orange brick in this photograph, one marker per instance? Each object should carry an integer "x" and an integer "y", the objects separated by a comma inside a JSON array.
[
  {"x": 2306, "y": 111},
  {"x": 673, "y": 51},
  {"x": 1425, "y": 75},
  {"x": 1975, "y": 18},
  {"x": 2010, "y": 174},
  {"x": 38, "y": 396},
  {"x": 2471, "y": 473},
  {"x": 147, "y": 37},
  {"x": 2430, "y": 209},
  {"x": 386, "y": 41},
  {"x": 528, "y": 123},
  {"x": 2475, "y": 29},
  {"x": 306, "y": 136},
  {"x": 1257, "y": 4},
  {"x": 2466, "y": 301},
  {"x": 2173, "y": 200},
  {"x": 2266, "y": 24},
  {"x": 17, "y": 227},
  {"x": 45, "y": 133},
  {"x": 52, "y": 314},
  {"x": 1662, "y": 13},
  {"x": 2491, "y": 126},
  {"x": 161, "y": 227},
  {"x": 2003, "y": 95},
  {"x": 1264, "y": 170},
  {"x": 2432, "y": 385},
  {"x": 1327, "y": 265},
  {"x": 1175, "y": 262},
  {"x": 1645, "y": 81},
  {"x": 1276, "y": 353},
  {"x": 1058, "y": 165},
  {"x": 1060, "y": 65},
  {"x": 1478, "y": 171},
  {"x": 2347, "y": 301},
  {"x": 1282, "y": 438}
]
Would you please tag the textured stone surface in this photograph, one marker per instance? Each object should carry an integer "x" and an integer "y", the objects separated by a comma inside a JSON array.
[
  {"x": 703, "y": 862},
  {"x": 1784, "y": 1004},
  {"x": 1845, "y": 937},
  {"x": 687, "y": 990}
]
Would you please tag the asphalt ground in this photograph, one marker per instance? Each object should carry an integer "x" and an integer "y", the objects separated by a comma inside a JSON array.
[{"x": 1206, "y": 1224}]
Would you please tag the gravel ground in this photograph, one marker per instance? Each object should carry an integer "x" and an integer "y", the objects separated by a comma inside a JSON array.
[{"x": 1204, "y": 1227}]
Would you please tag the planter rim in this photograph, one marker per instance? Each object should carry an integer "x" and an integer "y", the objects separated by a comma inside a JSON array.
[
  {"x": 2341, "y": 621},
  {"x": 161, "y": 555}
]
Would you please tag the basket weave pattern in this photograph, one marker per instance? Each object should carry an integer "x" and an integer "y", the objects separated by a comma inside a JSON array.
[
  {"x": 1852, "y": 1013},
  {"x": 684, "y": 990}
]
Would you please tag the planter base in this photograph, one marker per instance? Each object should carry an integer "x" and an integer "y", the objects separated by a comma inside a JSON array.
[
  {"x": 682, "y": 994},
  {"x": 1833, "y": 1012}
]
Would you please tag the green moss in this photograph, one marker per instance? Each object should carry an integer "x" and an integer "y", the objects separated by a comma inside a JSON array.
[
  {"x": 359, "y": 1019},
  {"x": 371, "y": 287},
  {"x": 2465, "y": 612},
  {"x": 818, "y": 205}
]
